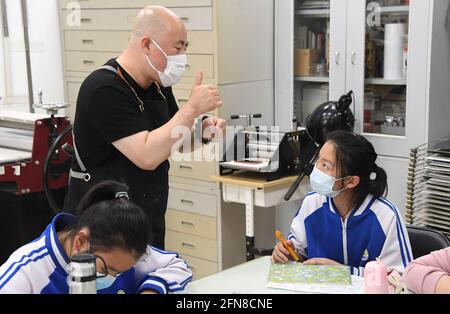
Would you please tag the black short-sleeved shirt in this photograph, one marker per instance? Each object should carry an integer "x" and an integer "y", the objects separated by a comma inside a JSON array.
[{"x": 107, "y": 111}]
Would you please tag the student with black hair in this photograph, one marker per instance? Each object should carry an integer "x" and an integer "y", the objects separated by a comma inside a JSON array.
[
  {"x": 346, "y": 220},
  {"x": 111, "y": 227}
]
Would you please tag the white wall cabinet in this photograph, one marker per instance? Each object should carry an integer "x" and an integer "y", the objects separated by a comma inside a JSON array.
[{"x": 392, "y": 53}]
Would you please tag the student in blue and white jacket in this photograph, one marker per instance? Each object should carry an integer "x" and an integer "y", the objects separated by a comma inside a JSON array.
[
  {"x": 346, "y": 221},
  {"x": 109, "y": 226}
]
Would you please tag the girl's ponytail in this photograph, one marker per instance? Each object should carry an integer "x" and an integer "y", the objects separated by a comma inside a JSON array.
[
  {"x": 105, "y": 191},
  {"x": 378, "y": 182}
]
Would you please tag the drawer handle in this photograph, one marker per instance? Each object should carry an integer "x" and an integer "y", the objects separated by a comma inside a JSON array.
[
  {"x": 88, "y": 62},
  {"x": 184, "y": 19},
  {"x": 188, "y": 245},
  {"x": 183, "y": 167},
  {"x": 188, "y": 66},
  {"x": 187, "y": 202},
  {"x": 88, "y": 41},
  {"x": 338, "y": 57},
  {"x": 187, "y": 223},
  {"x": 86, "y": 20},
  {"x": 183, "y": 100},
  {"x": 353, "y": 57}
]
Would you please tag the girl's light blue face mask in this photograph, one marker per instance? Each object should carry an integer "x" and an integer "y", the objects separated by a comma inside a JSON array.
[
  {"x": 104, "y": 281},
  {"x": 323, "y": 183}
]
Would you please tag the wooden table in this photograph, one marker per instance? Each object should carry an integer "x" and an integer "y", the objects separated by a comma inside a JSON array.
[{"x": 253, "y": 190}]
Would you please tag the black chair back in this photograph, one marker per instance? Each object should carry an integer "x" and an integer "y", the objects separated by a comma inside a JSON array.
[{"x": 425, "y": 241}]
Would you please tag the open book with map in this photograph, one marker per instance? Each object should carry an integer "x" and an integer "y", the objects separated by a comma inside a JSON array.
[{"x": 313, "y": 279}]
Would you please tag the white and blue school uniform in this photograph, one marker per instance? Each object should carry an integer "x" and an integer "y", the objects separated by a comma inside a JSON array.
[
  {"x": 40, "y": 267},
  {"x": 375, "y": 229}
]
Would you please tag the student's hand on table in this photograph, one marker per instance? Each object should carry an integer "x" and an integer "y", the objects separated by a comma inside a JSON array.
[
  {"x": 321, "y": 261},
  {"x": 280, "y": 255}
]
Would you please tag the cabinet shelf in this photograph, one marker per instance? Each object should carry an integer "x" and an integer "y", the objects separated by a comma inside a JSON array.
[
  {"x": 380, "y": 81},
  {"x": 400, "y": 9},
  {"x": 321, "y": 13},
  {"x": 315, "y": 79}
]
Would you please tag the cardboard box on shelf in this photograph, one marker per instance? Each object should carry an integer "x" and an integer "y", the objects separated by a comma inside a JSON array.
[{"x": 306, "y": 61}]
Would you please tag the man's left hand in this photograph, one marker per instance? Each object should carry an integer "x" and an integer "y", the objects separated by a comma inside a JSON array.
[{"x": 214, "y": 128}]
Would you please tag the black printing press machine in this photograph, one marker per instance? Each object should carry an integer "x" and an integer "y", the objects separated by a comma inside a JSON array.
[{"x": 267, "y": 151}]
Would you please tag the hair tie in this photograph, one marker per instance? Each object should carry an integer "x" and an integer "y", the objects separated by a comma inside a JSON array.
[
  {"x": 122, "y": 195},
  {"x": 374, "y": 173}
]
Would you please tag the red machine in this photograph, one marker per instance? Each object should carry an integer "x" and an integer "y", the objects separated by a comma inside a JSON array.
[{"x": 32, "y": 158}]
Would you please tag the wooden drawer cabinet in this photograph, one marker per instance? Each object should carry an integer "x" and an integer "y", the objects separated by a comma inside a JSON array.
[
  {"x": 192, "y": 245},
  {"x": 200, "y": 42},
  {"x": 181, "y": 96},
  {"x": 104, "y": 19},
  {"x": 120, "y": 4},
  {"x": 200, "y": 62},
  {"x": 100, "y": 41},
  {"x": 193, "y": 224},
  {"x": 193, "y": 202},
  {"x": 195, "y": 19},
  {"x": 200, "y": 268},
  {"x": 73, "y": 89},
  {"x": 87, "y": 61},
  {"x": 200, "y": 170}
]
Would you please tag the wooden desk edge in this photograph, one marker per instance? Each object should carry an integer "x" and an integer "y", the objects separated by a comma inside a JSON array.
[{"x": 241, "y": 180}]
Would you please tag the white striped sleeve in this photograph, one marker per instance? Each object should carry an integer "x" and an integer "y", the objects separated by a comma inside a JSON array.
[
  {"x": 298, "y": 231},
  {"x": 163, "y": 272},
  {"x": 15, "y": 276},
  {"x": 18, "y": 284},
  {"x": 395, "y": 253}
]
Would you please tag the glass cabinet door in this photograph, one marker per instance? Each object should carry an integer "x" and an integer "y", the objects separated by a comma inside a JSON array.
[
  {"x": 386, "y": 67},
  {"x": 311, "y": 56}
]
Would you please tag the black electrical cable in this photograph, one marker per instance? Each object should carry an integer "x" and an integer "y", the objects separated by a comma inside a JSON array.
[
  {"x": 342, "y": 105},
  {"x": 53, "y": 148}
]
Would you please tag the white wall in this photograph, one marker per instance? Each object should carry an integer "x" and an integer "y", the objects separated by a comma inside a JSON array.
[
  {"x": 46, "y": 52},
  {"x": 2, "y": 70},
  {"x": 14, "y": 65}
]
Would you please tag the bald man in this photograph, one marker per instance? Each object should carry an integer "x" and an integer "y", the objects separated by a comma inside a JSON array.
[{"x": 126, "y": 112}]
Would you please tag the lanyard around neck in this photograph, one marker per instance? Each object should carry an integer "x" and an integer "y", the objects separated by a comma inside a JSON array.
[{"x": 141, "y": 103}]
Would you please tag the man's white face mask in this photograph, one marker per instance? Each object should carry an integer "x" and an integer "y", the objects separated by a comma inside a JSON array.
[{"x": 176, "y": 66}]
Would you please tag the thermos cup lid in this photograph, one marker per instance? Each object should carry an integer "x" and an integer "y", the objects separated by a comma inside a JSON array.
[{"x": 83, "y": 259}]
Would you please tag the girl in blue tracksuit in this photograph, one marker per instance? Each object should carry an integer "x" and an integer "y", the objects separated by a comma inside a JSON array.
[
  {"x": 112, "y": 228},
  {"x": 346, "y": 220}
]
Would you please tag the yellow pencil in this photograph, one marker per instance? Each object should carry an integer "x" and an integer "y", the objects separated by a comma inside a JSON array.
[{"x": 291, "y": 251}]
